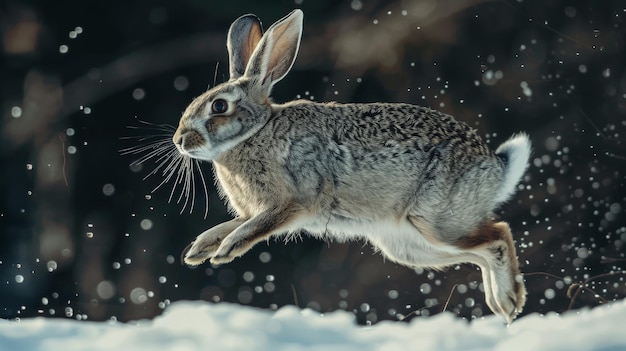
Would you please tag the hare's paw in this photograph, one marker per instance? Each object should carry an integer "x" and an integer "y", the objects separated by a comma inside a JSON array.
[
  {"x": 518, "y": 296},
  {"x": 511, "y": 301},
  {"x": 201, "y": 249},
  {"x": 231, "y": 247},
  {"x": 208, "y": 242}
]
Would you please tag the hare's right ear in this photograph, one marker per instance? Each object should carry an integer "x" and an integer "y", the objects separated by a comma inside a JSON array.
[
  {"x": 276, "y": 53},
  {"x": 243, "y": 36}
]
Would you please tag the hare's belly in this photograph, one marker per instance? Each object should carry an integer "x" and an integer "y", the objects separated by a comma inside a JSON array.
[{"x": 398, "y": 240}]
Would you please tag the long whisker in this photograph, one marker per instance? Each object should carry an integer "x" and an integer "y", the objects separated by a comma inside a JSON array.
[
  {"x": 153, "y": 126},
  {"x": 167, "y": 154},
  {"x": 168, "y": 172},
  {"x": 165, "y": 161},
  {"x": 180, "y": 178},
  {"x": 158, "y": 153},
  {"x": 173, "y": 165},
  {"x": 168, "y": 162},
  {"x": 162, "y": 126},
  {"x": 142, "y": 138},
  {"x": 163, "y": 144},
  {"x": 137, "y": 149},
  {"x": 206, "y": 193},
  {"x": 178, "y": 170},
  {"x": 185, "y": 182},
  {"x": 193, "y": 184}
]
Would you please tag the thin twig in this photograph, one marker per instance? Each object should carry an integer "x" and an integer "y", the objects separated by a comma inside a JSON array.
[
  {"x": 612, "y": 259},
  {"x": 63, "y": 138},
  {"x": 579, "y": 286},
  {"x": 415, "y": 312},
  {"x": 295, "y": 296},
  {"x": 445, "y": 307}
]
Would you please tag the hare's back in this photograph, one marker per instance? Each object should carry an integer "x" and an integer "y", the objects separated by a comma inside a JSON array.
[
  {"x": 376, "y": 126},
  {"x": 389, "y": 136},
  {"x": 414, "y": 127},
  {"x": 387, "y": 155}
]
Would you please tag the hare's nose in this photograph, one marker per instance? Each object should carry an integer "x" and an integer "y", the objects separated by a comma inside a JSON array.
[{"x": 178, "y": 139}]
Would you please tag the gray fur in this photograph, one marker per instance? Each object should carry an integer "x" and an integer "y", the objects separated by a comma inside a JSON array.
[
  {"x": 243, "y": 37},
  {"x": 416, "y": 183}
]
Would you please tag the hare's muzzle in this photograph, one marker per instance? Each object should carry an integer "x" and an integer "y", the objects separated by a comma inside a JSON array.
[{"x": 187, "y": 141}]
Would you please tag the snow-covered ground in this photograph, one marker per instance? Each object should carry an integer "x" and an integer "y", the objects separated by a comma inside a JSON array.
[{"x": 189, "y": 326}]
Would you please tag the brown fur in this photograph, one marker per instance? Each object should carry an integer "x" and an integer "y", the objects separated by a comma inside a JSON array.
[
  {"x": 217, "y": 122},
  {"x": 193, "y": 139},
  {"x": 485, "y": 233}
]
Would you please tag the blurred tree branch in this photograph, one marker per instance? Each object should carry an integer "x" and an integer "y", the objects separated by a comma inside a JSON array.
[{"x": 354, "y": 44}]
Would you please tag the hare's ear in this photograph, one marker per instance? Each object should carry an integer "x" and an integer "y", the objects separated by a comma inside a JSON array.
[
  {"x": 276, "y": 53},
  {"x": 243, "y": 36}
]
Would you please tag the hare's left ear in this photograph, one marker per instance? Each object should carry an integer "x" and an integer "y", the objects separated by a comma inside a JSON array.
[
  {"x": 243, "y": 36},
  {"x": 275, "y": 54}
]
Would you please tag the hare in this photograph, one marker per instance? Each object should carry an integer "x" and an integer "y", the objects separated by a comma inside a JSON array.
[{"x": 417, "y": 184}]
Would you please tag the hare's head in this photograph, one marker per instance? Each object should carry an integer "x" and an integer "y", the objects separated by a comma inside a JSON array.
[{"x": 231, "y": 112}]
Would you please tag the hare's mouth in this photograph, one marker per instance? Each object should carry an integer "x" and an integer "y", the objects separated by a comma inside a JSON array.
[
  {"x": 192, "y": 153},
  {"x": 188, "y": 150},
  {"x": 197, "y": 154}
]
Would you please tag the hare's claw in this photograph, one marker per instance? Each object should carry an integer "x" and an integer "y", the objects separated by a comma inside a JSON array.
[{"x": 184, "y": 253}]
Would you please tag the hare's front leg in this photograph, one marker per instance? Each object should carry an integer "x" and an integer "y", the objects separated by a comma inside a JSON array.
[
  {"x": 257, "y": 228},
  {"x": 207, "y": 243}
]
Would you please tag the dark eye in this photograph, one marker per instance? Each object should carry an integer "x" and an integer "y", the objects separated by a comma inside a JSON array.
[{"x": 219, "y": 106}]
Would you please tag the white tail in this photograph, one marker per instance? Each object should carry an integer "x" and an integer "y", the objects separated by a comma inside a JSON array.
[{"x": 515, "y": 153}]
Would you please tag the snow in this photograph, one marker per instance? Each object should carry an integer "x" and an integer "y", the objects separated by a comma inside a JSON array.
[{"x": 189, "y": 326}]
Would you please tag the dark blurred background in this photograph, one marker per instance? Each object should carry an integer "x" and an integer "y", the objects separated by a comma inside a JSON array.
[{"x": 83, "y": 236}]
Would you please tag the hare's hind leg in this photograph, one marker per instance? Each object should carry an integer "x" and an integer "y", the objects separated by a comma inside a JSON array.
[{"x": 504, "y": 287}]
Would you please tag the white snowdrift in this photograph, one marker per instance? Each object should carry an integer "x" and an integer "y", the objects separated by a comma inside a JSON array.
[{"x": 190, "y": 326}]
